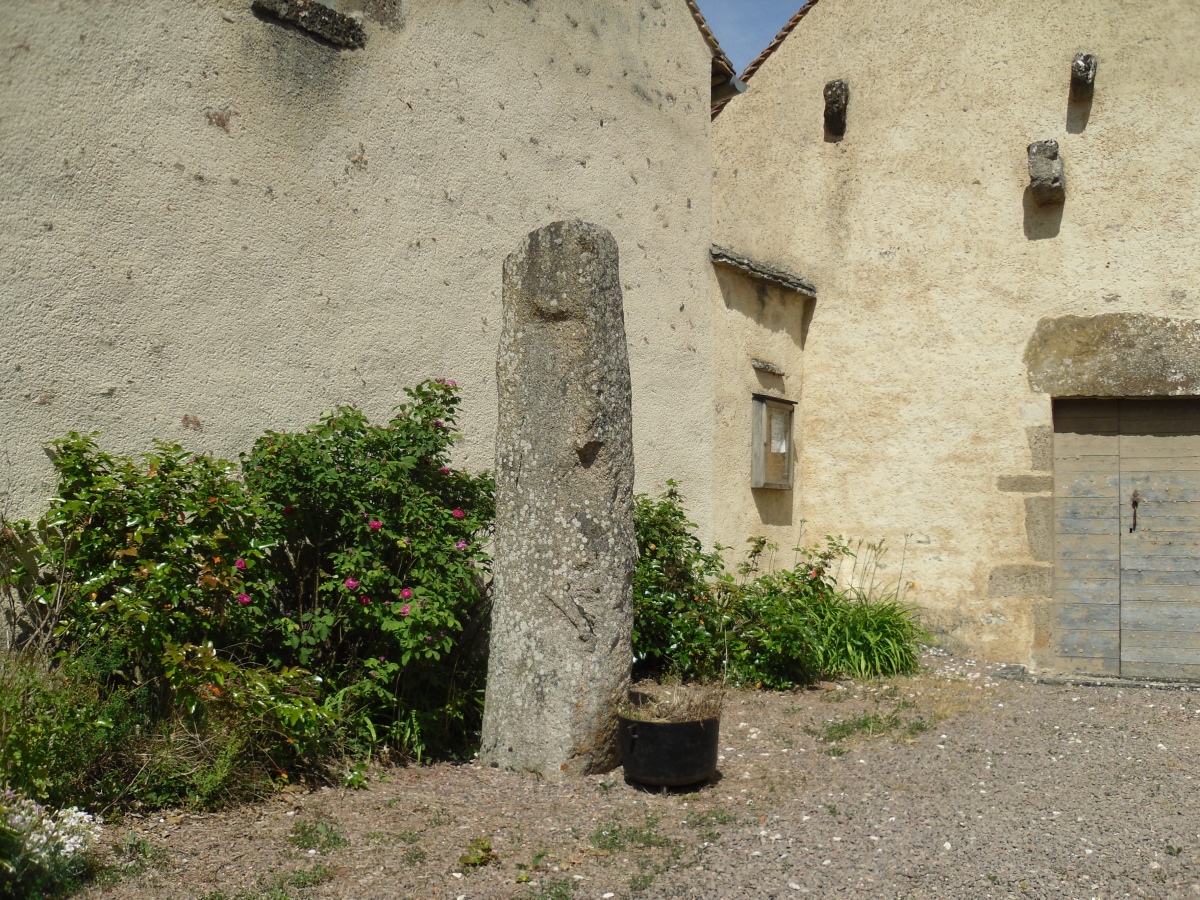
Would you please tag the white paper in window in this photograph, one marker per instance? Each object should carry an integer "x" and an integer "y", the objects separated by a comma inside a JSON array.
[{"x": 778, "y": 432}]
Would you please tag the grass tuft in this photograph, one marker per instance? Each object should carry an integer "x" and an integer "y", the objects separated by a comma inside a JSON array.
[
  {"x": 614, "y": 836},
  {"x": 317, "y": 836}
]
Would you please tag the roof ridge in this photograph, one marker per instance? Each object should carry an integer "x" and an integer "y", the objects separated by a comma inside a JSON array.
[{"x": 787, "y": 29}]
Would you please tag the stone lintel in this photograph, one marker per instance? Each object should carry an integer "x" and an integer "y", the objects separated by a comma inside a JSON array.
[
  {"x": 1115, "y": 355},
  {"x": 761, "y": 271}
]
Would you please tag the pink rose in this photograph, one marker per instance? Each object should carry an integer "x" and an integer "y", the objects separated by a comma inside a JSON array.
[
  {"x": 404, "y": 610},
  {"x": 244, "y": 599},
  {"x": 364, "y": 600},
  {"x": 458, "y": 514},
  {"x": 406, "y": 594},
  {"x": 461, "y": 545},
  {"x": 374, "y": 524},
  {"x": 445, "y": 470},
  {"x": 351, "y": 583},
  {"x": 240, "y": 565}
]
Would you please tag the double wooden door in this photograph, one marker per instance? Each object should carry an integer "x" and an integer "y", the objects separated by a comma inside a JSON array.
[{"x": 1127, "y": 536}]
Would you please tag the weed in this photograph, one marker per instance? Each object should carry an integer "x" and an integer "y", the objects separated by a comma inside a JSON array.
[
  {"x": 535, "y": 865},
  {"x": 559, "y": 889},
  {"x": 1173, "y": 851},
  {"x": 132, "y": 856},
  {"x": 391, "y": 838},
  {"x": 619, "y": 837},
  {"x": 917, "y": 726},
  {"x": 440, "y": 818},
  {"x": 831, "y": 808},
  {"x": 707, "y": 821},
  {"x": 413, "y": 856},
  {"x": 479, "y": 853},
  {"x": 716, "y": 817},
  {"x": 868, "y": 723},
  {"x": 641, "y": 881},
  {"x": 317, "y": 836},
  {"x": 318, "y": 874},
  {"x": 355, "y": 777}
]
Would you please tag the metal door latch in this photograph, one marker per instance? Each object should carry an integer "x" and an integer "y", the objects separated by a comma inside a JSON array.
[{"x": 1134, "y": 503}]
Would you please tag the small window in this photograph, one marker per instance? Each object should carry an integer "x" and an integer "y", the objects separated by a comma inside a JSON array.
[{"x": 771, "y": 465}]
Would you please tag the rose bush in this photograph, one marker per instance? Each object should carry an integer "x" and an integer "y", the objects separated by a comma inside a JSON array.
[{"x": 328, "y": 596}]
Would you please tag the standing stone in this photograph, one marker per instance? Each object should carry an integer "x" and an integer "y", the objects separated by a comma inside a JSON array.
[{"x": 564, "y": 548}]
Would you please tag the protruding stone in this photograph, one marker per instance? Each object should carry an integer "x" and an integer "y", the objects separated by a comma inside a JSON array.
[
  {"x": 316, "y": 18},
  {"x": 1025, "y": 484},
  {"x": 1020, "y": 581},
  {"x": 1083, "y": 76},
  {"x": 1046, "y": 178},
  {"x": 564, "y": 548},
  {"x": 837, "y": 100}
]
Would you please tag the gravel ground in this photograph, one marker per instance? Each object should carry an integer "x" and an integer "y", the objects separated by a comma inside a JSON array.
[{"x": 955, "y": 783}]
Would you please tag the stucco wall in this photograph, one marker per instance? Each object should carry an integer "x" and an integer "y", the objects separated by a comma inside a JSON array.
[
  {"x": 763, "y": 322},
  {"x": 934, "y": 266},
  {"x": 211, "y": 216}
]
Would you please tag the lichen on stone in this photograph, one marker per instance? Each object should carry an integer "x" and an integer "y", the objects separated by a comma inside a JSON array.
[{"x": 335, "y": 27}]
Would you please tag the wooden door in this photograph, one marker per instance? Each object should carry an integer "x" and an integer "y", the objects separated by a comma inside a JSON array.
[
  {"x": 1160, "y": 553},
  {"x": 1087, "y": 540},
  {"x": 1128, "y": 592}
]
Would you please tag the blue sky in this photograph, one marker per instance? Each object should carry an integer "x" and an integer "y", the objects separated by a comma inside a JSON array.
[{"x": 745, "y": 27}]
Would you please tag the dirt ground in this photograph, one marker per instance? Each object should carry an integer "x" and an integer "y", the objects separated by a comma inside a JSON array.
[{"x": 956, "y": 783}]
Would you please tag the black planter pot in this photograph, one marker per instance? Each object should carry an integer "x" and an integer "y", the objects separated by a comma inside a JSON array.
[{"x": 669, "y": 754}]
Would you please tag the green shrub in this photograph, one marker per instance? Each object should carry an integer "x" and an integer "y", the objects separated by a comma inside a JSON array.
[
  {"x": 695, "y": 620},
  {"x": 670, "y": 584},
  {"x": 187, "y": 630},
  {"x": 374, "y": 567}
]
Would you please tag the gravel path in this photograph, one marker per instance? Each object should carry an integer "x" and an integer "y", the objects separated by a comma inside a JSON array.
[{"x": 956, "y": 783}]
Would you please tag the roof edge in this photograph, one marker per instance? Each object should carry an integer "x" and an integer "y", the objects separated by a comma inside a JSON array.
[
  {"x": 720, "y": 60},
  {"x": 787, "y": 29},
  {"x": 761, "y": 271}
]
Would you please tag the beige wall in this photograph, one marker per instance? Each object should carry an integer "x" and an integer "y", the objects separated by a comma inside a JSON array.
[
  {"x": 207, "y": 215},
  {"x": 760, "y": 321},
  {"x": 933, "y": 266}
]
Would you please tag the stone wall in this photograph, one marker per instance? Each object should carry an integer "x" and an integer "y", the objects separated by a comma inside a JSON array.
[
  {"x": 215, "y": 223},
  {"x": 935, "y": 265}
]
